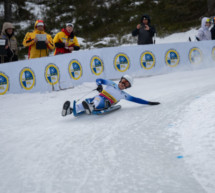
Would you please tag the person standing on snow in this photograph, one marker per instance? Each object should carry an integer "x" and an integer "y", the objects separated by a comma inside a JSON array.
[
  {"x": 204, "y": 32},
  {"x": 11, "y": 43},
  {"x": 145, "y": 31},
  {"x": 108, "y": 97},
  {"x": 65, "y": 41},
  {"x": 213, "y": 30},
  {"x": 38, "y": 48}
]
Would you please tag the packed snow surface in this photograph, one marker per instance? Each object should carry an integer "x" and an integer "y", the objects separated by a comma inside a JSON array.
[{"x": 153, "y": 149}]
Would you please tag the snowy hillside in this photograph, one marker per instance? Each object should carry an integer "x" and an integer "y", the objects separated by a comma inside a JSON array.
[
  {"x": 129, "y": 40},
  {"x": 154, "y": 149}
]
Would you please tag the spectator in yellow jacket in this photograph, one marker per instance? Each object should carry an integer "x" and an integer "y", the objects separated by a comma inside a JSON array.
[
  {"x": 38, "y": 48},
  {"x": 65, "y": 41}
]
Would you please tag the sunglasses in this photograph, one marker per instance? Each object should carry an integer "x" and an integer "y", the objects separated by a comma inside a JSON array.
[{"x": 125, "y": 83}]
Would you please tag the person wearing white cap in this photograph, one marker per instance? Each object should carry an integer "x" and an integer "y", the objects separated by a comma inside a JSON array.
[
  {"x": 38, "y": 48},
  {"x": 65, "y": 41}
]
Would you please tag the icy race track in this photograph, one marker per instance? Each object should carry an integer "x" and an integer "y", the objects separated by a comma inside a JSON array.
[{"x": 139, "y": 149}]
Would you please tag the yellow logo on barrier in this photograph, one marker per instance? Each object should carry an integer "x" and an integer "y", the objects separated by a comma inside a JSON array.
[
  {"x": 52, "y": 74},
  {"x": 96, "y": 65},
  {"x": 121, "y": 62},
  {"x": 75, "y": 69},
  {"x": 172, "y": 58},
  {"x": 27, "y": 78},
  {"x": 147, "y": 60},
  {"x": 4, "y": 83},
  {"x": 195, "y": 56},
  {"x": 213, "y": 53}
]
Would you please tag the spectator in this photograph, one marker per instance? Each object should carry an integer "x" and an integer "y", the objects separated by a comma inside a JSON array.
[
  {"x": 213, "y": 30},
  {"x": 204, "y": 32},
  {"x": 144, "y": 31},
  {"x": 39, "y": 46},
  {"x": 11, "y": 43},
  {"x": 65, "y": 41}
]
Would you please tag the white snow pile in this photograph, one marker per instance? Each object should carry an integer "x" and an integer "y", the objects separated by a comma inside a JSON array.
[{"x": 197, "y": 135}]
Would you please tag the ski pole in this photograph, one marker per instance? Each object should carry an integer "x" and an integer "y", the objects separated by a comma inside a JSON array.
[{"x": 85, "y": 95}]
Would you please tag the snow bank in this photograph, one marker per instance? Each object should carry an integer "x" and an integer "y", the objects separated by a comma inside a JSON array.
[{"x": 196, "y": 128}]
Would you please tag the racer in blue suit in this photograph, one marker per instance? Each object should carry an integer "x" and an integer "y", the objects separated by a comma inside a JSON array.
[{"x": 108, "y": 96}]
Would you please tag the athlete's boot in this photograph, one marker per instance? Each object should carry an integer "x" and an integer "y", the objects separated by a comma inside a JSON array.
[
  {"x": 88, "y": 107},
  {"x": 67, "y": 110}
]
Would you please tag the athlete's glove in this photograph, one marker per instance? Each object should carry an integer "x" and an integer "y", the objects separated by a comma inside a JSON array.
[
  {"x": 99, "y": 88},
  {"x": 153, "y": 103}
]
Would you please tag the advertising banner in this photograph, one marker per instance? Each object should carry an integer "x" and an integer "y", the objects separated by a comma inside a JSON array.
[{"x": 68, "y": 70}]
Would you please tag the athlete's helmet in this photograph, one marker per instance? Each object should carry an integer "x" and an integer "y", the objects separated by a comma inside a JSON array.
[{"x": 129, "y": 79}]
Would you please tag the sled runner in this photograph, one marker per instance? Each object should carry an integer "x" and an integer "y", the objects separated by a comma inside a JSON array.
[{"x": 96, "y": 112}]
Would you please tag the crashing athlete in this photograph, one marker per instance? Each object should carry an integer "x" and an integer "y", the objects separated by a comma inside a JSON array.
[{"x": 107, "y": 98}]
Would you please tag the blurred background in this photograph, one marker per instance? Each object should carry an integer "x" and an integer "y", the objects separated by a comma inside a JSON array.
[{"x": 95, "y": 20}]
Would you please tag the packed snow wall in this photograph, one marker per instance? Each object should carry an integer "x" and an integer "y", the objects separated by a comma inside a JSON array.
[{"x": 68, "y": 70}]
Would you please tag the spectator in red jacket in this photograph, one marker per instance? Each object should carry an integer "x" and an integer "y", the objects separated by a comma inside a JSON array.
[{"x": 65, "y": 41}]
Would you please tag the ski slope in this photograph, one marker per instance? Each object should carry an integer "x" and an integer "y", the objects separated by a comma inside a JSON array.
[{"x": 153, "y": 149}]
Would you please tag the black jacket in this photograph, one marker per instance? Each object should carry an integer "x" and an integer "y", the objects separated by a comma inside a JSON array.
[
  {"x": 10, "y": 55},
  {"x": 144, "y": 36},
  {"x": 213, "y": 33}
]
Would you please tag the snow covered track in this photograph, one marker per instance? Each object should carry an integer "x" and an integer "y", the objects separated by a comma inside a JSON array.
[{"x": 133, "y": 150}]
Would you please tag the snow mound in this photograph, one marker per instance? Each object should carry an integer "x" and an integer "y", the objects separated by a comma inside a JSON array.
[{"x": 197, "y": 131}]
